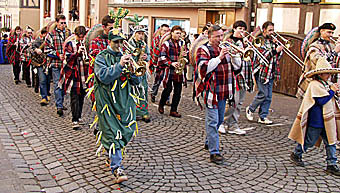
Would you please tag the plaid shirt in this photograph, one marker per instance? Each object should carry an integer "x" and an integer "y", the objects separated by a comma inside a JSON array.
[
  {"x": 244, "y": 78},
  {"x": 216, "y": 85},
  {"x": 155, "y": 51},
  {"x": 170, "y": 51},
  {"x": 272, "y": 71},
  {"x": 75, "y": 71},
  {"x": 25, "y": 49},
  {"x": 13, "y": 51},
  {"x": 54, "y": 47}
]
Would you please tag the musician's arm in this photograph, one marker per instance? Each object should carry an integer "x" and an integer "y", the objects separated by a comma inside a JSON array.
[
  {"x": 323, "y": 100},
  {"x": 106, "y": 74},
  {"x": 93, "y": 49},
  {"x": 49, "y": 48},
  {"x": 205, "y": 63}
]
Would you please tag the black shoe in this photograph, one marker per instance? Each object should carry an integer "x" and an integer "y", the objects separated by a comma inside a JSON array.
[
  {"x": 296, "y": 160},
  {"x": 153, "y": 98},
  {"x": 333, "y": 169},
  {"x": 95, "y": 131},
  {"x": 216, "y": 158},
  {"x": 60, "y": 112},
  {"x": 16, "y": 81},
  {"x": 29, "y": 86},
  {"x": 146, "y": 118},
  {"x": 36, "y": 90},
  {"x": 206, "y": 147},
  {"x": 64, "y": 108}
]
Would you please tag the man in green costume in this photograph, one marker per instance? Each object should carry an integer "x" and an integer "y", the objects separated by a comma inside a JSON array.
[
  {"x": 116, "y": 101},
  {"x": 137, "y": 41}
]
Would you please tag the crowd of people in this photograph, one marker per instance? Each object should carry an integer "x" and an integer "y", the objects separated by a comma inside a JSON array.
[{"x": 113, "y": 71}]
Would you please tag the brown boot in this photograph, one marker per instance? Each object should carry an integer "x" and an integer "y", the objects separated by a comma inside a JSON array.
[
  {"x": 175, "y": 114},
  {"x": 161, "y": 109}
]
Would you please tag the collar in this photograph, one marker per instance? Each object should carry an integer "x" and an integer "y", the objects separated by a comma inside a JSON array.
[
  {"x": 323, "y": 41},
  {"x": 110, "y": 50}
]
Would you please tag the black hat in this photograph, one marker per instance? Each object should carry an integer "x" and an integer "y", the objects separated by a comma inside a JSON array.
[{"x": 327, "y": 26}]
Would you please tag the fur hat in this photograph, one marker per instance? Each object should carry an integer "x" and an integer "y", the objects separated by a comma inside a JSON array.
[{"x": 322, "y": 66}]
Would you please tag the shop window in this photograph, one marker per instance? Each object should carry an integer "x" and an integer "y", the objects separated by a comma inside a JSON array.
[{"x": 185, "y": 24}]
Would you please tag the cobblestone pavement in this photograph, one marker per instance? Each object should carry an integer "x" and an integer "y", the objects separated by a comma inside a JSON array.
[{"x": 166, "y": 156}]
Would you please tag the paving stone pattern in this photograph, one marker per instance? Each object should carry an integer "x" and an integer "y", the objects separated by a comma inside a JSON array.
[{"x": 39, "y": 152}]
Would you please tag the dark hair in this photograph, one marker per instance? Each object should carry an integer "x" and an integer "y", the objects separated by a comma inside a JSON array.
[
  {"x": 196, "y": 36},
  {"x": 205, "y": 28},
  {"x": 5, "y": 36},
  {"x": 44, "y": 30},
  {"x": 80, "y": 30},
  {"x": 17, "y": 28},
  {"x": 176, "y": 27},
  {"x": 107, "y": 19},
  {"x": 164, "y": 25},
  {"x": 240, "y": 23},
  {"x": 266, "y": 24},
  {"x": 59, "y": 17},
  {"x": 213, "y": 28}
]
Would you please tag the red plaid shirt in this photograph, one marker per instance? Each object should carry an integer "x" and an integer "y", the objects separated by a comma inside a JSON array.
[
  {"x": 155, "y": 51},
  {"x": 75, "y": 72},
  {"x": 25, "y": 54},
  {"x": 12, "y": 52},
  {"x": 54, "y": 47},
  {"x": 170, "y": 51}
]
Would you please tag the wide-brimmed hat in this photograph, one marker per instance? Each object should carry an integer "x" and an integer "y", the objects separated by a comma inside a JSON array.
[
  {"x": 322, "y": 66},
  {"x": 116, "y": 34}
]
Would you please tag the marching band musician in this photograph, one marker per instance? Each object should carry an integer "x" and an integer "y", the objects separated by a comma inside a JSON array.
[
  {"x": 74, "y": 74},
  {"x": 214, "y": 83},
  {"x": 322, "y": 47},
  {"x": 138, "y": 42},
  {"x": 44, "y": 79},
  {"x": 115, "y": 102},
  {"x": 265, "y": 74},
  {"x": 54, "y": 50},
  {"x": 25, "y": 44},
  {"x": 244, "y": 80},
  {"x": 13, "y": 52},
  {"x": 170, "y": 56},
  {"x": 155, "y": 53}
]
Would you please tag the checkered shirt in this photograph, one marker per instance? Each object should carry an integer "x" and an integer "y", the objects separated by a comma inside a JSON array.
[{"x": 54, "y": 47}]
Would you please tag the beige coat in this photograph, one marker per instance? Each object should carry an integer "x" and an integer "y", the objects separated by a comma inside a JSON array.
[{"x": 331, "y": 115}]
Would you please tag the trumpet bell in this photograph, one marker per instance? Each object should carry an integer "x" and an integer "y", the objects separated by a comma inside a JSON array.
[
  {"x": 258, "y": 42},
  {"x": 288, "y": 44},
  {"x": 248, "y": 55},
  {"x": 140, "y": 71}
]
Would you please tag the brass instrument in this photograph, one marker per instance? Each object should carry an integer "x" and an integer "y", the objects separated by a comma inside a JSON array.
[
  {"x": 141, "y": 61},
  {"x": 334, "y": 41},
  {"x": 247, "y": 53},
  {"x": 286, "y": 45},
  {"x": 181, "y": 60},
  {"x": 133, "y": 66},
  {"x": 257, "y": 42}
]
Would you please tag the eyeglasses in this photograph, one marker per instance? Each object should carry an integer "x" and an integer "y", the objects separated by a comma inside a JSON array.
[{"x": 62, "y": 22}]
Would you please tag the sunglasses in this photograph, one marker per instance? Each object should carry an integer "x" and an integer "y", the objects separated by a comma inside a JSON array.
[{"x": 62, "y": 22}]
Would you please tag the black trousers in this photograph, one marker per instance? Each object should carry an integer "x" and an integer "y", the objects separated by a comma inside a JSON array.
[
  {"x": 35, "y": 80},
  {"x": 26, "y": 73},
  {"x": 176, "y": 97},
  {"x": 77, "y": 102},
  {"x": 16, "y": 70}
]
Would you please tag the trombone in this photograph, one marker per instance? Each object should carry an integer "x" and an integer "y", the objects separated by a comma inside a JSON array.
[
  {"x": 286, "y": 45},
  {"x": 334, "y": 41},
  {"x": 247, "y": 54},
  {"x": 258, "y": 42}
]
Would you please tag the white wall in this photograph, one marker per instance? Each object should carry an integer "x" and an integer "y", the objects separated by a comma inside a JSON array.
[
  {"x": 331, "y": 16},
  {"x": 286, "y": 19}
]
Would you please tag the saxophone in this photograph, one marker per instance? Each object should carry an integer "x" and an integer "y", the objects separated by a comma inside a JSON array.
[
  {"x": 38, "y": 59},
  {"x": 181, "y": 60}
]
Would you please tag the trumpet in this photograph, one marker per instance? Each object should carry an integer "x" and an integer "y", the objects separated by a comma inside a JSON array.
[
  {"x": 286, "y": 45},
  {"x": 133, "y": 66},
  {"x": 131, "y": 49},
  {"x": 247, "y": 53}
]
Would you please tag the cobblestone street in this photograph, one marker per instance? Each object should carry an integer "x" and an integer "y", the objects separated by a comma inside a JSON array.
[{"x": 39, "y": 151}]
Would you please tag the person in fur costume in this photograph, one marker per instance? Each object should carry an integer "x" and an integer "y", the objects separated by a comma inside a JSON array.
[{"x": 317, "y": 118}]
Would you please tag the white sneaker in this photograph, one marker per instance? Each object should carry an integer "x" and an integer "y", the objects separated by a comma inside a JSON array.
[
  {"x": 221, "y": 129},
  {"x": 265, "y": 121},
  {"x": 81, "y": 121},
  {"x": 75, "y": 124},
  {"x": 249, "y": 114},
  {"x": 237, "y": 131}
]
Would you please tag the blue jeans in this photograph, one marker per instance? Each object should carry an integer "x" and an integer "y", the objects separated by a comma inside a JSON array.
[
  {"x": 263, "y": 97},
  {"x": 44, "y": 82},
  {"x": 312, "y": 135},
  {"x": 116, "y": 160},
  {"x": 58, "y": 92},
  {"x": 213, "y": 120}
]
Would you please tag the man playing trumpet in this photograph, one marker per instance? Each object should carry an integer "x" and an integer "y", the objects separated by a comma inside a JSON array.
[
  {"x": 265, "y": 74},
  {"x": 324, "y": 46}
]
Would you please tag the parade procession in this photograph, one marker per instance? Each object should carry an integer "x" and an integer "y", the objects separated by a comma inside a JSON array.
[{"x": 232, "y": 99}]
